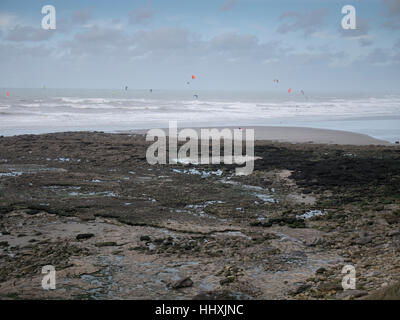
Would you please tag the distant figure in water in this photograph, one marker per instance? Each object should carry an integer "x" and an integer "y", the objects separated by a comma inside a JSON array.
[
  {"x": 126, "y": 88},
  {"x": 151, "y": 90},
  {"x": 195, "y": 96}
]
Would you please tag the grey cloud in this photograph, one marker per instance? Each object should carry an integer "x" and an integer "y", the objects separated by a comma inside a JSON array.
[
  {"x": 233, "y": 41},
  {"x": 392, "y": 24},
  {"x": 308, "y": 22},
  {"x": 397, "y": 45},
  {"x": 241, "y": 47},
  {"x": 96, "y": 41},
  {"x": 171, "y": 43},
  {"x": 392, "y": 13},
  {"x": 27, "y": 33},
  {"x": 162, "y": 39},
  {"x": 141, "y": 15},
  {"x": 19, "y": 51},
  {"x": 392, "y": 7},
  {"x": 365, "y": 42},
  {"x": 377, "y": 56},
  {"x": 82, "y": 16},
  {"x": 228, "y": 5},
  {"x": 63, "y": 25},
  {"x": 96, "y": 34},
  {"x": 6, "y": 20},
  {"x": 362, "y": 29},
  {"x": 318, "y": 58}
]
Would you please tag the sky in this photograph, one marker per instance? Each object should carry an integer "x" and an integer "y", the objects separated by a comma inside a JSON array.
[{"x": 228, "y": 44}]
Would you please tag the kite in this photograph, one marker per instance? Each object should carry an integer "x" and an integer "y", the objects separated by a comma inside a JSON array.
[
  {"x": 290, "y": 90},
  {"x": 193, "y": 77},
  {"x": 7, "y": 94}
]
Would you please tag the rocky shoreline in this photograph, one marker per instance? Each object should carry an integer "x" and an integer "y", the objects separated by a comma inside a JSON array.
[{"x": 116, "y": 227}]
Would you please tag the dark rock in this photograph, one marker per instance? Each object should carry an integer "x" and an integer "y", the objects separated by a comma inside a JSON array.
[
  {"x": 182, "y": 283},
  {"x": 330, "y": 286},
  {"x": 393, "y": 233},
  {"x": 145, "y": 238},
  {"x": 320, "y": 271},
  {"x": 227, "y": 280},
  {"x": 106, "y": 244},
  {"x": 301, "y": 288},
  {"x": 391, "y": 292},
  {"x": 221, "y": 295},
  {"x": 84, "y": 236},
  {"x": 351, "y": 294},
  {"x": 32, "y": 211},
  {"x": 364, "y": 240}
]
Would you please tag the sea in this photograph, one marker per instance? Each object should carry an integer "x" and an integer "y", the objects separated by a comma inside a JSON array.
[{"x": 46, "y": 110}]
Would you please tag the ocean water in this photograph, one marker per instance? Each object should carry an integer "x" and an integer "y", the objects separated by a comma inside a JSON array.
[{"x": 54, "y": 110}]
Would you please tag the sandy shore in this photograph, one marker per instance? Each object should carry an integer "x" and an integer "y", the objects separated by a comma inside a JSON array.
[{"x": 303, "y": 135}]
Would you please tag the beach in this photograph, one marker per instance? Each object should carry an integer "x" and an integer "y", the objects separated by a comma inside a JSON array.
[
  {"x": 115, "y": 227},
  {"x": 294, "y": 135}
]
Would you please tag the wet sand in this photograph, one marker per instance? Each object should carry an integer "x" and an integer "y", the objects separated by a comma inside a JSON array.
[
  {"x": 116, "y": 227},
  {"x": 302, "y": 135}
]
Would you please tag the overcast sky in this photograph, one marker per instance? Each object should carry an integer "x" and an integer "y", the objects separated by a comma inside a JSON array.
[{"x": 227, "y": 44}]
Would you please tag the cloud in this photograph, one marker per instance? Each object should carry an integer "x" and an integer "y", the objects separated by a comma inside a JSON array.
[
  {"x": 162, "y": 40},
  {"x": 170, "y": 44},
  {"x": 15, "y": 51},
  {"x": 379, "y": 56},
  {"x": 362, "y": 29},
  {"x": 321, "y": 58},
  {"x": 308, "y": 22},
  {"x": 96, "y": 42},
  {"x": 96, "y": 34},
  {"x": 141, "y": 15},
  {"x": 82, "y": 16},
  {"x": 360, "y": 33},
  {"x": 27, "y": 33},
  {"x": 228, "y": 5},
  {"x": 365, "y": 42},
  {"x": 233, "y": 41},
  {"x": 6, "y": 20},
  {"x": 392, "y": 12},
  {"x": 63, "y": 25},
  {"x": 392, "y": 7}
]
